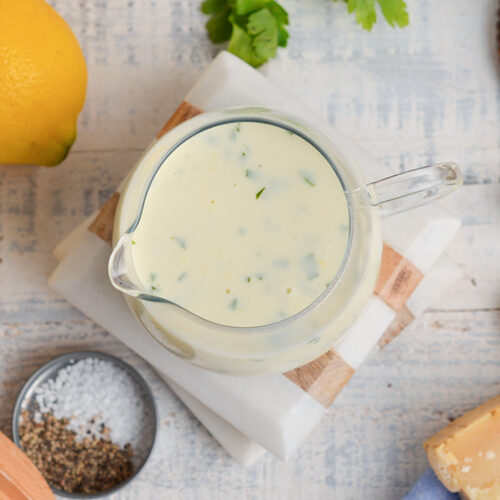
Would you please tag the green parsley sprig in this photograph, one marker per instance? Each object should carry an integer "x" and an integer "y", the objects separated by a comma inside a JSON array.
[
  {"x": 256, "y": 28},
  {"x": 394, "y": 11}
]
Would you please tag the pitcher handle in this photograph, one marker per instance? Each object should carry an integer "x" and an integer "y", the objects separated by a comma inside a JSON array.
[{"x": 413, "y": 188}]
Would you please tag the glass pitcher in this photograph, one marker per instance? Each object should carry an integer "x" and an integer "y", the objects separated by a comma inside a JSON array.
[{"x": 296, "y": 340}]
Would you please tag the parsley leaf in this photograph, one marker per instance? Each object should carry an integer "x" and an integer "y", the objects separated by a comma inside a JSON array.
[
  {"x": 218, "y": 26},
  {"x": 247, "y": 6},
  {"x": 212, "y": 6},
  {"x": 254, "y": 28},
  {"x": 262, "y": 25},
  {"x": 241, "y": 46},
  {"x": 365, "y": 12},
  {"x": 394, "y": 11},
  {"x": 281, "y": 16}
]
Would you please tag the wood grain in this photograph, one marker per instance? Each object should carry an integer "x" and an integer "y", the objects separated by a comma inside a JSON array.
[
  {"x": 184, "y": 112},
  {"x": 19, "y": 478},
  {"x": 102, "y": 226},
  {"x": 323, "y": 378},
  {"x": 8, "y": 490},
  {"x": 400, "y": 322},
  {"x": 423, "y": 94},
  {"x": 398, "y": 278}
]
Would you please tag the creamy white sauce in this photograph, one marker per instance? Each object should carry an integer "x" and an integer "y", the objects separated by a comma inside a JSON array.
[{"x": 245, "y": 224}]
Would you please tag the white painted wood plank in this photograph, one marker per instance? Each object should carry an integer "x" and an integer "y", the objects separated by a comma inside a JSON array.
[{"x": 426, "y": 93}]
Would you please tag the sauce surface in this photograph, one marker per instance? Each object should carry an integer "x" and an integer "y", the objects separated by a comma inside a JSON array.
[{"x": 244, "y": 224}]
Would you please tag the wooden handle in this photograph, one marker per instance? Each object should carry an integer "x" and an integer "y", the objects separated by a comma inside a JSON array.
[{"x": 19, "y": 478}]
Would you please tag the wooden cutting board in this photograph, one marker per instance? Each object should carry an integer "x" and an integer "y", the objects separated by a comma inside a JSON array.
[{"x": 19, "y": 478}]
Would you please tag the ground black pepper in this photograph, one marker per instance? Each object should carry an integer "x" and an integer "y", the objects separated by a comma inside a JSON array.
[{"x": 85, "y": 466}]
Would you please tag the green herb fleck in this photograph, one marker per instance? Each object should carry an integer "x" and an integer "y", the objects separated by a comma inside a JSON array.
[
  {"x": 260, "y": 277},
  {"x": 307, "y": 179},
  {"x": 133, "y": 242},
  {"x": 233, "y": 304},
  {"x": 153, "y": 287},
  {"x": 249, "y": 279},
  {"x": 180, "y": 241},
  {"x": 257, "y": 196},
  {"x": 310, "y": 267},
  {"x": 247, "y": 173},
  {"x": 235, "y": 131},
  {"x": 243, "y": 153},
  {"x": 181, "y": 277}
]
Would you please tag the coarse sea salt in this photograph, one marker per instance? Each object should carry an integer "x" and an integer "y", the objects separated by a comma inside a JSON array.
[{"x": 99, "y": 399}]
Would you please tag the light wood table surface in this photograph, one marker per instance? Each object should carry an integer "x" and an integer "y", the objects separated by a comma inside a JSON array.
[{"x": 427, "y": 93}]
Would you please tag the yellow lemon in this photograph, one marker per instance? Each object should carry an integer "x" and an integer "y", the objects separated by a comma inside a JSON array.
[{"x": 43, "y": 79}]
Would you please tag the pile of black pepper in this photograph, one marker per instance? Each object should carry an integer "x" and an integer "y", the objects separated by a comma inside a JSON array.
[{"x": 84, "y": 466}]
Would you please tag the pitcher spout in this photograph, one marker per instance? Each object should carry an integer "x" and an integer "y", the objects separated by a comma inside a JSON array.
[{"x": 122, "y": 273}]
